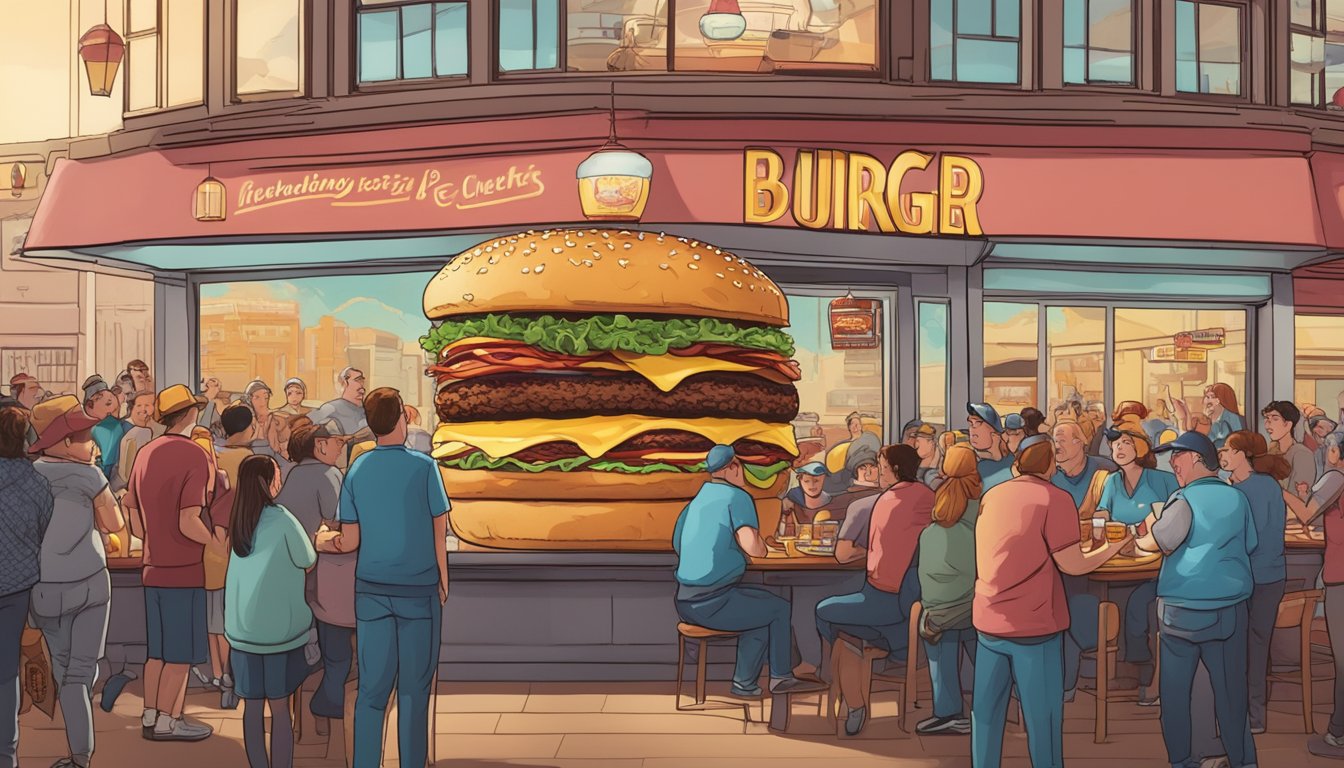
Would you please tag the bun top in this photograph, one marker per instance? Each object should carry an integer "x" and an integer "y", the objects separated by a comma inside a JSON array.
[{"x": 604, "y": 271}]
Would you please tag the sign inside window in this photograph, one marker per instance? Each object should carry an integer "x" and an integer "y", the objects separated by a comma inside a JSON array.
[
  {"x": 1211, "y": 338},
  {"x": 835, "y": 189}
]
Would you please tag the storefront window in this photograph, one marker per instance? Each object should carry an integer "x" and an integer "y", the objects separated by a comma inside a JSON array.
[
  {"x": 1075, "y": 350},
  {"x": 268, "y": 44},
  {"x": 1316, "y": 54},
  {"x": 600, "y": 36},
  {"x": 933, "y": 359},
  {"x": 1011, "y": 355},
  {"x": 836, "y": 381},
  {"x": 776, "y": 36},
  {"x": 1099, "y": 42},
  {"x": 1320, "y": 363},
  {"x": 312, "y": 328},
  {"x": 165, "y": 54},
  {"x": 1165, "y": 355},
  {"x": 975, "y": 41},
  {"x": 1209, "y": 42},
  {"x": 413, "y": 41}
]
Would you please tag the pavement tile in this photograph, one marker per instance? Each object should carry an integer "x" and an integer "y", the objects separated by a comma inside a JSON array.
[
  {"x": 565, "y": 702},
  {"x": 622, "y": 724}
]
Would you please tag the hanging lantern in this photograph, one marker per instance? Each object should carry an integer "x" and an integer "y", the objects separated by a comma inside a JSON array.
[
  {"x": 18, "y": 179},
  {"x": 101, "y": 49},
  {"x": 855, "y": 323},
  {"x": 723, "y": 21},
  {"x": 210, "y": 203},
  {"x": 614, "y": 181}
]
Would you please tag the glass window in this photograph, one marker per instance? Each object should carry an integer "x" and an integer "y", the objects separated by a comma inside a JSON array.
[
  {"x": 1209, "y": 47},
  {"x": 1099, "y": 42},
  {"x": 933, "y": 362},
  {"x": 165, "y": 54},
  {"x": 268, "y": 45},
  {"x": 1320, "y": 363},
  {"x": 312, "y": 328},
  {"x": 414, "y": 41},
  {"x": 1168, "y": 355},
  {"x": 1316, "y": 51},
  {"x": 1011, "y": 354},
  {"x": 600, "y": 35},
  {"x": 775, "y": 36},
  {"x": 975, "y": 41},
  {"x": 1075, "y": 350}
]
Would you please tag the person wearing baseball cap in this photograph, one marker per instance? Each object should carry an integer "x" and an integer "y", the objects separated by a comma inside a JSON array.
[
  {"x": 714, "y": 535},
  {"x": 986, "y": 434},
  {"x": 71, "y": 602},
  {"x": 806, "y": 499},
  {"x": 168, "y": 489},
  {"x": 25, "y": 390},
  {"x": 1206, "y": 532}
]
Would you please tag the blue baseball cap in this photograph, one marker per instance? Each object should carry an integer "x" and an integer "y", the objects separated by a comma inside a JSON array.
[
  {"x": 986, "y": 413},
  {"x": 719, "y": 457},
  {"x": 1013, "y": 421},
  {"x": 813, "y": 468},
  {"x": 1192, "y": 442}
]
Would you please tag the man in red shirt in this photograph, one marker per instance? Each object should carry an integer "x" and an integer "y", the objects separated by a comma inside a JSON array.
[
  {"x": 1026, "y": 536},
  {"x": 168, "y": 488}
]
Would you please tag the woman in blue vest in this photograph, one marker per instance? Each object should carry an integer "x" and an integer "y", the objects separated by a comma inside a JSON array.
[
  {"x": 1128, "y": 496},
  {"x": 1257, "y": 474}
]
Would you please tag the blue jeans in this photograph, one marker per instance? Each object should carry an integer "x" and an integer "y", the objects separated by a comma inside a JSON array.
[
  {"x": 1218, "y": 638},
  {"x": 872, "y": 615},
  {"x": 1138, "y": 607},
  {"x": 398, "y": 646},
  {"x": 1082, "y": 633},
  {"x": 1036, "y": 666},
  {"x": 761, "y": 618},
  {"x": 329, "y": 699},
  {"x": 945, "y": 669}
]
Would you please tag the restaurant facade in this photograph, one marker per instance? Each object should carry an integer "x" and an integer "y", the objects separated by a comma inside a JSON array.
[{"x": 1027, "y": 243}]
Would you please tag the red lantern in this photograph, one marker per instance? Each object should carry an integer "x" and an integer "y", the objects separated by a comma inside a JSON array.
[
  {"x": 856, "y": 323},
  {"x": 101, "y": 49}
]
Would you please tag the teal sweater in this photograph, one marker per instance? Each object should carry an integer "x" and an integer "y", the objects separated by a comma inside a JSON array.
[{"x": 264, "y": 607}]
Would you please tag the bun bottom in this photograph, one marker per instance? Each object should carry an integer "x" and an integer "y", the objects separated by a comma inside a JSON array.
[
  {"x": 585, "y": 486},
  {"x": 624, "y": 526}
]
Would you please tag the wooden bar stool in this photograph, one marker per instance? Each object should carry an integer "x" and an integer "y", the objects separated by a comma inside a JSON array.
[
  {"x": 702, "y": 637},
  {"x": 1296, "y": 610},
  {"x": 902, "y": 681},
  {"x": 1108, "y": 648}
]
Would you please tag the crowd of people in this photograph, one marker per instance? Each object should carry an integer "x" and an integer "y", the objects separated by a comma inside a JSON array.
[
  {"x": 993, "y": 529},
  {"x": 246, "y": 519}
]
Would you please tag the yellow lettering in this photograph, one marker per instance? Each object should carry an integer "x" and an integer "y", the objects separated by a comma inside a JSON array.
[
  {"x": 867, "y": 181},
  {"x": 962, "y": 183},
  {"x": 812, "y": 177},
  {"x": 839, "y": 187},
  {"x": 767, "y": 198},
  {"x": 914, "y": 213}
]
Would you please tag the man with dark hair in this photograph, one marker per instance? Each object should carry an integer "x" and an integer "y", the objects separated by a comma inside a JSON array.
[
  {"x": 1281, "y": 420},
  {"x": 164, "y": 501},
  {"x": 239, "y": 430},
  {"x": 26, "y": 506},
  {"x": 401, "y": 578},
  {"x": 1206, "y": 533},
  {"x": 139, "y": 373}
]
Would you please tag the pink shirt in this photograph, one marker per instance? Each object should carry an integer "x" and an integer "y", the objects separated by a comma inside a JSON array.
[
  {"x": 1018, "y": 589},
  {"x": 898, "y": 517}
]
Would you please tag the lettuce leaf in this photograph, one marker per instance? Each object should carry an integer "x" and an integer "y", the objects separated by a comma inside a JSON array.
[
  {"x": 478, "y": 460},
  {"x": 607, "y": 333}
]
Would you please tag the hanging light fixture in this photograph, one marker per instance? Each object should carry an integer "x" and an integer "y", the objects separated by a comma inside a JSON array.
[
  {"x": 18, "y": 179},
  {"x": 614, "y": 181},
  {"x": 723, "y": 21},
  {"x": 101, "y": 48},
  {"x": 210, "y": 203}
]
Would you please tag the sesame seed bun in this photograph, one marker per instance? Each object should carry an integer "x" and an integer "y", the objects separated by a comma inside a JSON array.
[{"x": 604, "y": 271}]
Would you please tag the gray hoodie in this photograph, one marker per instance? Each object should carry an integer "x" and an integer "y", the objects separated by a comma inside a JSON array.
[{"x": 25, "y": 511}]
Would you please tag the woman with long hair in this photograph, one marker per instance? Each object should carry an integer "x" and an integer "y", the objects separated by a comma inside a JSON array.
[
  {"x": 1128, "y": 496},
  {"x": 1220, "y": 405},
  {"x": 947, "y": 586},
  {"x": 1257, "y": 473},
  {"x": 266, "y": 616}
]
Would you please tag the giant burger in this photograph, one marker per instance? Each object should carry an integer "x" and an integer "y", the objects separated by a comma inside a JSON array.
[{"x": 584, "y": 374}]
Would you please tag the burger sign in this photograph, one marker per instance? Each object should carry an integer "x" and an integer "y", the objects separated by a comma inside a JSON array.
[{"x": 584, "y": 374}]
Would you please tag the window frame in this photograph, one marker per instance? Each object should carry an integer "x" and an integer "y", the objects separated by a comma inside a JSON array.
[
  {"x": 159, "y": 31},
  {"x": 1319, "y": 8},
  {"x": 1017, "y": 84},
  {"x": 400, "y": 83},
  {"x": 305, "y": 50},
  {"x": 946, "y": 304},
  {"x": 1243, "y": 8},
  {"x": 1135, "y": 28}
]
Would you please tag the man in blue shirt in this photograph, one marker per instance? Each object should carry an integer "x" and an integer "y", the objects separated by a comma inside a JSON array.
[
  {"x": 1075, "y": 469},
  {"x": 401, "y": 579},
  {"x": 986, "y": 433},
  {"x": 715, "y": 534},
  {"x": 1206, "y": 533}
]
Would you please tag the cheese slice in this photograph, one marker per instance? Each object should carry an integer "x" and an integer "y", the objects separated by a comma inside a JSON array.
[{"x": 595, "y": 435}]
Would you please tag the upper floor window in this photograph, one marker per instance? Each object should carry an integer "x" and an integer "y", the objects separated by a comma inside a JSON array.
[
  {"x": 165, "y": 54},
  {"x": 1317, "y": 54},
  {"x": 708, "y": 35},
  {"x": 411, "y": 41},
  {"x": 1210, "y": 47},
  {"x": 975, "y": 41},
  {"x": 268, "y": 47},
  {"x": 1099, "y": 42}
]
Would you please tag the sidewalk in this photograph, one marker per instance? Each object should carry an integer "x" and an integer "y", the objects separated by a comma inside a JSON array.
[{"x": 633, "y": 725}]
